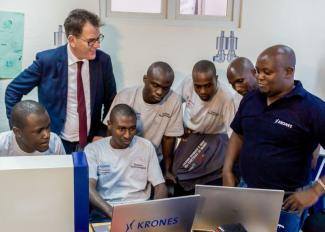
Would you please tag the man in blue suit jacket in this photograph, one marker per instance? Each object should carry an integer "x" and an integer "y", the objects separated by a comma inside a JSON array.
[{"x": 55, "y": 73}]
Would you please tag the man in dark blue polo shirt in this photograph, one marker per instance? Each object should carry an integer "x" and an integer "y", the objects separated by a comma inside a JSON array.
[{"x": 275, "y": 131}]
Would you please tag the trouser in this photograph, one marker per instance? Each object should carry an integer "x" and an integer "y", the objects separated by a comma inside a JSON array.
[{"x": 291, "y": 221}]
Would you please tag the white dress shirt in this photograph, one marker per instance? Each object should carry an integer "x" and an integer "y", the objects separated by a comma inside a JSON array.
[{"x": 70, "y": 130}]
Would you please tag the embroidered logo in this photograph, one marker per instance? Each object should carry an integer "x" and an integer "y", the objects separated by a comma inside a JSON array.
[
  {"x": 213, "y": 113},
  {"x": 138, "y": 165},
  {"x": 278, "y": 121},
  {"x": 165, "y": 115},
  {"x": 103, "y": 169}
]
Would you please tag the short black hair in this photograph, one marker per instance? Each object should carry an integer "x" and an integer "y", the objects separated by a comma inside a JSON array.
[
  {"x": 160, "y": 67},
  {"x": 76, "y": 20},
  {"x": 204, "y": 66},
  {"x": 22, "y": 110},
  {"x": 240, "y": 64},
  {"x": 122, "y": 110}
]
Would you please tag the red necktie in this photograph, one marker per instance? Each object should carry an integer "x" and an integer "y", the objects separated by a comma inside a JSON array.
[{"x": 81, "y": 108}]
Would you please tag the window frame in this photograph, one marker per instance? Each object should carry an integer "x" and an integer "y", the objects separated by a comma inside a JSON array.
[{"x": 170, "y": 16}]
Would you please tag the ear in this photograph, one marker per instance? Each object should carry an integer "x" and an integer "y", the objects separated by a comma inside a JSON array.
[
  {"x": 72, "y": 40},
  {"x": 290, "y": 71},
  {"x": 109, "y": 125},
  {"x": 145, "y": 79},
  {"x": 215, "y": 80},
  {"x": 17, "y": 132}
]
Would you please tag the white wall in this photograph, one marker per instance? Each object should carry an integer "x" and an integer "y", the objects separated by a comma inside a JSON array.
[
  {"x": 42, "y": 18},
  {"x": 134, "y": 45}
]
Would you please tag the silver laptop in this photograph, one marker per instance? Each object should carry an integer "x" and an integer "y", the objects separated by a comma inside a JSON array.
[
  {"x": 170, "y": 214},
  {"x": 257, "y": 210}
]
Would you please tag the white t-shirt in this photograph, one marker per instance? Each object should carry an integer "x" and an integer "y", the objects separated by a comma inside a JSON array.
[
  {"x": 123, "y": 174},
  {"x": 153, "y": 120},
  {"x": 207, "y": 117},
  {"x": 9, "y": 146}
]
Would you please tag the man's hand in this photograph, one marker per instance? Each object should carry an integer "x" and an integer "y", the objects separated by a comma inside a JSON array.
[
  {"x": 228, "y": 179},
  {"x": 232, "y": 155},
  {"x": 187, "y": 132},
  {"x": 300, "y": 200},
  {"x": 170, "y": 177}
]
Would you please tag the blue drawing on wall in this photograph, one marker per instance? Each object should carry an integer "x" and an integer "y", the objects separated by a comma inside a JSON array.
[{"x": 11, "y": 43}]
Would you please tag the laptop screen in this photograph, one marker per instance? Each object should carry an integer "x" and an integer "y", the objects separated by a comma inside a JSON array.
[{"x": 254, "y": 209}]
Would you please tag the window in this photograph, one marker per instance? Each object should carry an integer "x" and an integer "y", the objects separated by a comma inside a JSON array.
[
  {"x": 137, "y": 8},
  {"x": 208, "y": 10},
  {"x": 178, "y": 11},
  {"x": 203, "y": 7}
]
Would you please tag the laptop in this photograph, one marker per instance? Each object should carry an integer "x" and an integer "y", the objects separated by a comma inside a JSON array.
[
  {"x": 257, "y": 210},
  {"x": 170, "y": 214}
]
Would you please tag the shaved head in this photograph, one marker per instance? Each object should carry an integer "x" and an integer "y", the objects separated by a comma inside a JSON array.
[
  {"x": 31, "y": 126},
  {"x": 204, "y": 77},
  {"x": 160, "y": 68},
  {"x": 275, "y": 67},
  {"x": 157, "y": 82},
  {"x": 204, "y": 66},
  {"x": 282, "y": 53},
  {"x": 241, "y": 75},
  {"x": 22, "y": 110},
  {"x": 240, "y": 66},
  {"x": 122, "y": 126},
  {"x": 121, "y": 110}
]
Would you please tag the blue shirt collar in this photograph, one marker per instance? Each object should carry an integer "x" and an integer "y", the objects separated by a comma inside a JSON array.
[{"x": 298, "y": 90}]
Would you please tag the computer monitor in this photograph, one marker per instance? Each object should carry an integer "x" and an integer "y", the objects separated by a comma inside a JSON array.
[
  {"x": 257, "y": 210},
  {"x": 170, "y": 214},
  {"x": 44, "y": 193}
]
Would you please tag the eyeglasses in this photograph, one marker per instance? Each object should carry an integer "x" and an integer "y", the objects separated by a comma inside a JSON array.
[{"x": 92, "y": 42}]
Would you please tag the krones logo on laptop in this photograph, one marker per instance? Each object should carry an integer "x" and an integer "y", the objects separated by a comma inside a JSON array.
[{"x": 163, "y": 222}]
